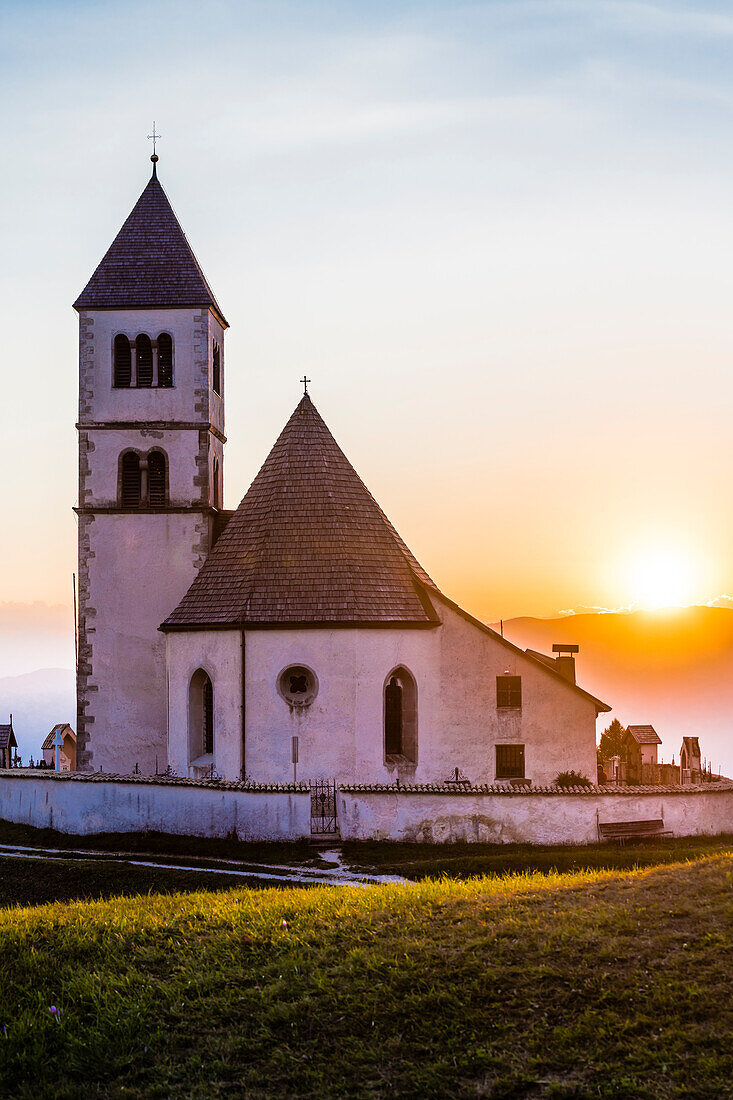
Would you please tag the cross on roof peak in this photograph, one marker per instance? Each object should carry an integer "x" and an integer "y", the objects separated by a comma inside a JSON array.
[
  {"x": 154, "y": 137},
  {"x": 305, "y": 382}
]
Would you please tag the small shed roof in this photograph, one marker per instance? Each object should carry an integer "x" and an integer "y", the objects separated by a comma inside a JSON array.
[
  {"x": 65, "y": 729},
  {"x": 7, "y": 737},
  {"x": 645, "y": 735}
]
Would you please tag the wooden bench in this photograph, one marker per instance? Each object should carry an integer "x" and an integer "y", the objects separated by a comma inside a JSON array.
[{"x": 621, "y": 831}]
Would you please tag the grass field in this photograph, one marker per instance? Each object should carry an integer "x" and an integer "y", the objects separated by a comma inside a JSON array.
[{"x": 581, "y": 984}]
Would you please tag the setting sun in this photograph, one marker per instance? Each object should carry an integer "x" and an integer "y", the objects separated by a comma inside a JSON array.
[{"x": 663, "y": 576}]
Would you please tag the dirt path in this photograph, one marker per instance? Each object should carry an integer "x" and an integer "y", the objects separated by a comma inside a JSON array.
[{"x": 334, "y": 873}]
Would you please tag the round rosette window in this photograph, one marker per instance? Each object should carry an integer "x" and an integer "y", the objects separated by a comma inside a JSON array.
[{"x": 298, "y": 685}]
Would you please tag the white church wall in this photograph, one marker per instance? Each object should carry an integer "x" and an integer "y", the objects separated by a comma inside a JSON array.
[
  {"x": 532, "y": 818},
  {"x": 340, "y": 734},
  {"x": 85, "y": 806},
  {"x": 455, "y": 666},
  {"x": 129, "y": 591},
  {"x": 556, "y": 724},
  {"x": 219, "y": 654}
]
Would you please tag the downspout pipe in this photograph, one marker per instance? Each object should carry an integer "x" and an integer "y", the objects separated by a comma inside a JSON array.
[{"x": 244, "y": 711}]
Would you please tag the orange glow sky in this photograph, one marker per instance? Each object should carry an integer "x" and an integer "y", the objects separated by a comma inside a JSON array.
[{"x": 496, "y": 236}]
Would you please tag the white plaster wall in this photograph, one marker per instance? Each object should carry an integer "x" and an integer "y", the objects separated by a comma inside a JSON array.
[
  {"x": 341, "y": 733},
  {"x": 179, "y": 446},
  {"x": 219, "y": 654},
  {"x": 83, "y": 806},
  {"x": 176, "y": 403},
  {"x": 141, "y": 567},
  {"x": 523, "y": 818}
]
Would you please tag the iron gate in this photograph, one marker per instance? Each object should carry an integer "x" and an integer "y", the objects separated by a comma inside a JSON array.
[{"x": 323, "y": 806}]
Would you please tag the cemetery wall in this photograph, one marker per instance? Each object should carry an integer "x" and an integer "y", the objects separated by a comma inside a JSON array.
[
  {"x": 93, "y": 804},
  {"x": 506, "y": 816}
]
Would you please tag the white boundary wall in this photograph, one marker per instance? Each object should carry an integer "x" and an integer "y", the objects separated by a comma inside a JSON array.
[
  {"x": 536, "y": 818},
  {"x": 73, "y": 804},
  {"x": 109, "y": 805}
]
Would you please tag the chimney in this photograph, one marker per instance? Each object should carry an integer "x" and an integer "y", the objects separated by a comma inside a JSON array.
[{"x": 565, "y": 660}]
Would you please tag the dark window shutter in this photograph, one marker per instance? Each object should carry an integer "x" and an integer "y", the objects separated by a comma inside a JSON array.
[
  {"x": 508, "y": 691},
  {"x": 156, "y": 478},
  {"x": 144, "y": 353},
  {"x": 216, "y": 369},
  {"x": 510, "y": 761},
  {"x": 165, "y": 360},
  {"x": 208, "y": 716},
  {"x": 130, "y": 480},
  {"x": 393, "y": 718},
  {"x": 122, "y": 361}
]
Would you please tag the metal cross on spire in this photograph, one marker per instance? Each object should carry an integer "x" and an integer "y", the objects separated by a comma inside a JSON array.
[
  {"x": 154, "y": 137},
  {"x": 305, "y": 382}
]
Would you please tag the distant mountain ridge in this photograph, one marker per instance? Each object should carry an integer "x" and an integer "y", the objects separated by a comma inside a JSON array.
[{"x": 671, "y": 668}]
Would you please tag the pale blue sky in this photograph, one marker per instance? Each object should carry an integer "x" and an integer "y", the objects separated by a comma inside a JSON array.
[{"x": 497, "y": 236}]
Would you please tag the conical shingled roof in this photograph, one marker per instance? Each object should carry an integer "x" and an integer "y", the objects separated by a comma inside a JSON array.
[
  {"x": 308, "y": 545},
  {"x": 149, "y": 264}
]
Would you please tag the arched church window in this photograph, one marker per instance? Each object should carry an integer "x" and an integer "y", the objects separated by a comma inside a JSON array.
[
  {"x": 130, "y": 479},
  {"x": 156, "y": 478},
  {"x": 122, "y": 361},
  {"x": 216, "y": 495},
  {"x": 298, "y": 685},
  {"x": 200, "y": 718},
  {"x": 165, "y": 360},
  {"x": 144, "y": 359},
  {"x": 400, "y": 715},
  {"x": 216, "y": 368}
]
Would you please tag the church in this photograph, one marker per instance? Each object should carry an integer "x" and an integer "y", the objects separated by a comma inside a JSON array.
[{"x": 296, "y": 637}]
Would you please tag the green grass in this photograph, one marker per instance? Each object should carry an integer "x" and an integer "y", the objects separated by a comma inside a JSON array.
[
  {"x": 587, "y": 984},
  {"x": 418, "y": 861}
]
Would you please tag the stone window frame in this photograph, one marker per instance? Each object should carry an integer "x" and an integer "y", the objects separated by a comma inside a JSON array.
[
  {"x": 132, "y": 341},
  {"x": 297, "y": 699},
  {"x": 410, "y": 710},
  {"x": 202, "y": 759},
  {"x": 144, "y": 457}
]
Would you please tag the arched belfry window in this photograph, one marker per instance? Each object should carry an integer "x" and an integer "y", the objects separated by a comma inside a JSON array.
[
  {"x": 144, "y": 359},
  {"x": 400, "y": 716},
  {"x": 216, "y": 368},
  {"x": 130, "y": 480},
  {"x": 156, "y": 478},
  {"x": 165, "y": 360},
  {"x": 200, "y": 719},
  {"x": 122, "y": 361}
]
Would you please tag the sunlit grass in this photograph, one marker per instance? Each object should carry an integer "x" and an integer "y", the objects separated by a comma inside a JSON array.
[{"x": 590, "y": 983}]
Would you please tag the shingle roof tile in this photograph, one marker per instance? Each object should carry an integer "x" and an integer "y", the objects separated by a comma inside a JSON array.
[
  {"x": 149, "y": 264},
  {"x": 645, "y": 735},
  {"x": 308, "y": 544},
  {"x": 7, "y": 737}
]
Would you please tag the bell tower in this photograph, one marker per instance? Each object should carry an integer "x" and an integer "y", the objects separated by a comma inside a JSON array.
[{"x": 151, "y": 438}]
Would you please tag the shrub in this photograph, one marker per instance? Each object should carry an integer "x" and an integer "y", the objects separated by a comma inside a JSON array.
[{"x": 572, "y": 779}]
